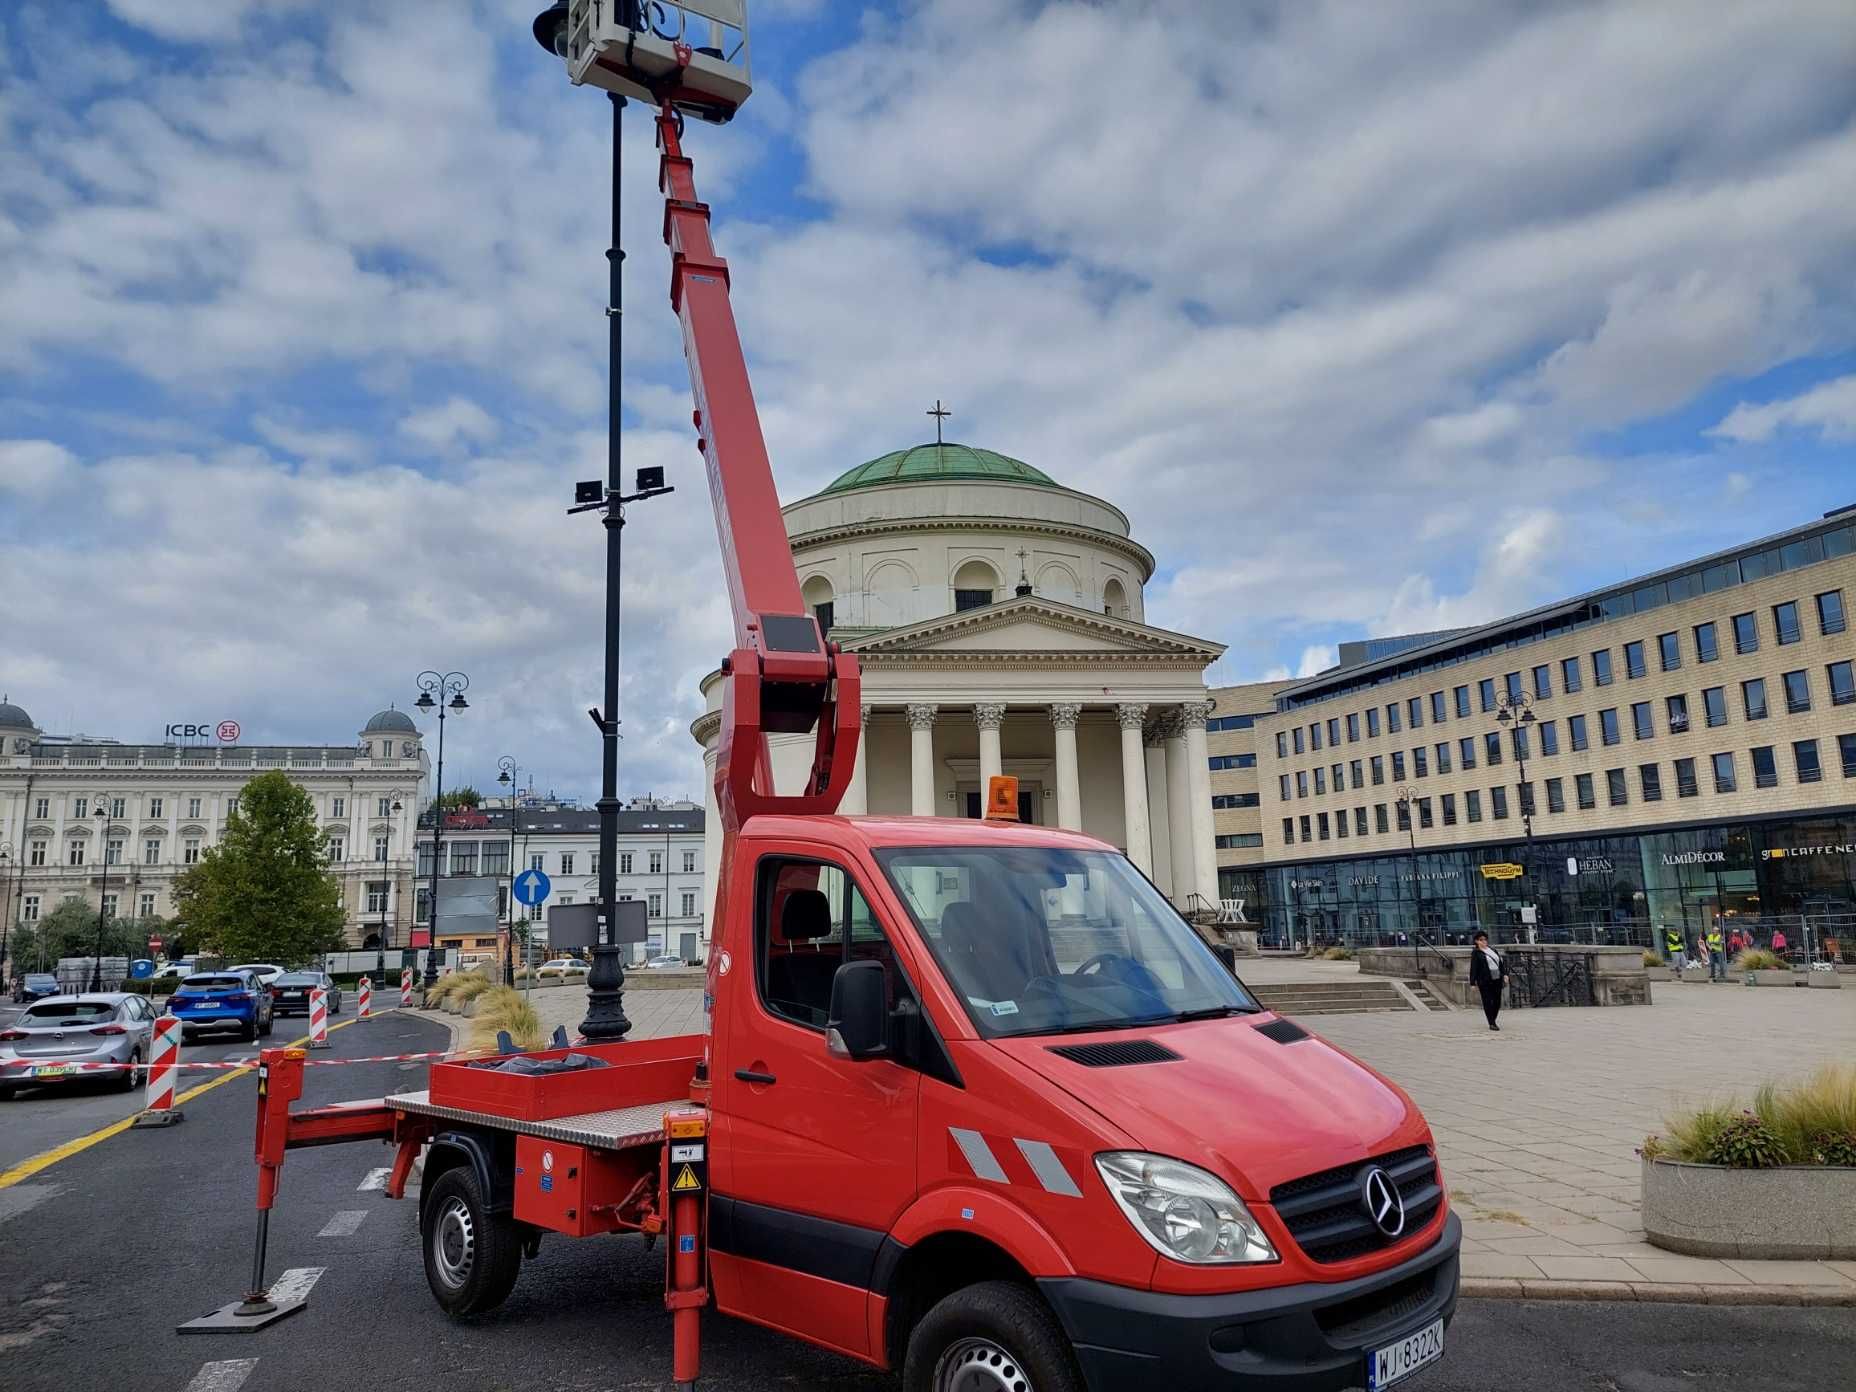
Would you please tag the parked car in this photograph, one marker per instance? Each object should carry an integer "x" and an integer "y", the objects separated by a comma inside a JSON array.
[
  {"x": 35, "y": 986},
  {"x": 217, "y": 1000},
  {"x": 569, "y": 966},
  {"x": 56, "y": 1035},
  {"x": 664, "y": 964},
  {"x": 267, "y": 972},
  {"x": 291, "y": 992},
  {"x": 175, "y": 970}
]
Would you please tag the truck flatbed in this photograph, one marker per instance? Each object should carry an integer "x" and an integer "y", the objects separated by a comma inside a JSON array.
[{"x": 617, "y": 1128}]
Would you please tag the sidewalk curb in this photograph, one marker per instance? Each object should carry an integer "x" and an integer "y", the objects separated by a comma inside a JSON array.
[{"x": 1507, "y": 1288}]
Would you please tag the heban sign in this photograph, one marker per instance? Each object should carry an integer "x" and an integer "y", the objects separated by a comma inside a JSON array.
[{"x": 226, "y": 731}]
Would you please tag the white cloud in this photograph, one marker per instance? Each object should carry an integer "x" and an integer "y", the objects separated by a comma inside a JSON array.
[
  {"x": 316, "y": 446},
  {"x": 457, "y": 420},
  {"x": 33, "y": 467},
  {"x": 1316, "y": 659},
  {"x": 1829, "y": 408}
]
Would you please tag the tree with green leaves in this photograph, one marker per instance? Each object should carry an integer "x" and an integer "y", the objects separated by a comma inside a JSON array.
[
  {"x": 70, "y": 930},
  {"x": 264, "y": 893},
  {"x": 457, "y": 799}
]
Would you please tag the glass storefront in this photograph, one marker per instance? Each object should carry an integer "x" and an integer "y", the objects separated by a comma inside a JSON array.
[{"x": 1619, "y": 889}]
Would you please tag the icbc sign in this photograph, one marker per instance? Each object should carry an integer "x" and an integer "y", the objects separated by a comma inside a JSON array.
[{"x": 226, "y": 731}]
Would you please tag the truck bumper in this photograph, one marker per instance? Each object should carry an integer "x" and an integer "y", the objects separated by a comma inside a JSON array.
[{"x": 1309, "y": 1338}]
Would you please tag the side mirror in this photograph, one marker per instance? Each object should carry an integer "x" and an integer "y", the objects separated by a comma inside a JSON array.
[{"x": 858, "y": 1026}]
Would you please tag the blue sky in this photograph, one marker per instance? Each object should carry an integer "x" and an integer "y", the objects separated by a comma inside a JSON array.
[{"x": 1371, "y": 321}]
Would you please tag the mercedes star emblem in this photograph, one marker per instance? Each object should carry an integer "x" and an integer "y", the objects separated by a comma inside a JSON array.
[{"x": 1380, "y": 1197}]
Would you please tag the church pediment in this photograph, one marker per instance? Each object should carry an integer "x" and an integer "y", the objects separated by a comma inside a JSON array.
[{"x": 1034, "y": 627}]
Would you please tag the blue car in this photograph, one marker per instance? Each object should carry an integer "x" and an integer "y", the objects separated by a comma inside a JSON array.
[{"x": 223, "y": 1000}]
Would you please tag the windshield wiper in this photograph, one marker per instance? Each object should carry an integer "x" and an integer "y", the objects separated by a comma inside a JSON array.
[{"x": 1215, "y": 1012}]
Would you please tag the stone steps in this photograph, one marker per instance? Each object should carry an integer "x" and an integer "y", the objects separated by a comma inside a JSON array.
[
  {"x": 1432, "y": 1001},
  {"x": 1331, "y": 997}
]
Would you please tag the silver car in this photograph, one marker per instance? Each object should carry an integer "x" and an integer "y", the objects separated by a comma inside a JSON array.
[{"x": 47, "y": 1043}]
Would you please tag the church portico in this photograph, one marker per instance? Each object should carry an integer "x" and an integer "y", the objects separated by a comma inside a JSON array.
[{"x": 1100, "y": 716}]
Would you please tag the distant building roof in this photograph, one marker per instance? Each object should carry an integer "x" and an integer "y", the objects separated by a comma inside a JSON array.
[
  {"x": 390, "y": 721},
  {"x": 1359, "y": 650},
  {"x": 566, "y": 821},
  {"x": 932, "y": 463}
]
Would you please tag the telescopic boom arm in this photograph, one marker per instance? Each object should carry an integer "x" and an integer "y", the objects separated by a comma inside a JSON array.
[{"x": 784, "y": 675}]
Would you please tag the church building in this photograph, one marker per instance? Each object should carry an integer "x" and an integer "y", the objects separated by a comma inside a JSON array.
[{"x": 1000, "y": 621}]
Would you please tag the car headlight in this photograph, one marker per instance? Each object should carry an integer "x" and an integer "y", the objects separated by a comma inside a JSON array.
[{"x": 1184, "y": 1212}]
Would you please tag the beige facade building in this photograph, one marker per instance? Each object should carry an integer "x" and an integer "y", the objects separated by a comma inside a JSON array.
[
  {"x": 162, "y": 805},
  {"x": 1680, "y": 747}
]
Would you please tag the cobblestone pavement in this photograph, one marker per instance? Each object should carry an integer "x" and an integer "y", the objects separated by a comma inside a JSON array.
[{"x": 1537, "y": 1125}]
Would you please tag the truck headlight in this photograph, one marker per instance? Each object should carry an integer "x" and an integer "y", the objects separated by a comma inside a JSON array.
[{"x": 1184, "y": 1212}]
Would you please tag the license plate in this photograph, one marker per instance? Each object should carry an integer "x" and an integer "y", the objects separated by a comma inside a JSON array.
[
  {"x": 1396, "y": 1362},
  {"x": 54, "y": 1070}
]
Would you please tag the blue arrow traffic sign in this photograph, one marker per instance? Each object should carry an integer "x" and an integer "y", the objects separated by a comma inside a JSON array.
[{"x": 532, "y": 887}]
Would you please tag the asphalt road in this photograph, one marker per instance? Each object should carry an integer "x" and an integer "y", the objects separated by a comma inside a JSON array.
[{"x": 102, "y": 1254}]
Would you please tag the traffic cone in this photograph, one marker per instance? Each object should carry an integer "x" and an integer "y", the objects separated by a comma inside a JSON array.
[
  {"x": 319, "y": 1017},
  {"x": 163, "y": 1061}
]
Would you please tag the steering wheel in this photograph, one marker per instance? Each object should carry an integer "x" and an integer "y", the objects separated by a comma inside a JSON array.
[{"x": 1102, "y": 959}]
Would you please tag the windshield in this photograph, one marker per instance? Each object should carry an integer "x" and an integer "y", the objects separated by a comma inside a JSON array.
[
  {"x": 1039, "y": 940},
  {"x": 300, "y": 979}
]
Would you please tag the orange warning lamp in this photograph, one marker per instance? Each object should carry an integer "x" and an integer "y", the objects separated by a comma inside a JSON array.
[{"x": 1002, "y": 798}]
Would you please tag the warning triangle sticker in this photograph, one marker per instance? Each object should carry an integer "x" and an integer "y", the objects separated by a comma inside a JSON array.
[{"x": 685, "y": 1181}]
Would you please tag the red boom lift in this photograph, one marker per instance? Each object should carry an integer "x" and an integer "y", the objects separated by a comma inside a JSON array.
[{"x": 972, "y": 1100}]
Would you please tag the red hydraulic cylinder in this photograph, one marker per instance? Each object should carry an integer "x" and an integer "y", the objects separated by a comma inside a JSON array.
[{"x": 685, "y": 1181}]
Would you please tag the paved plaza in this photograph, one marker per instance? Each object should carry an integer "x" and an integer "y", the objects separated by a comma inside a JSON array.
[{"x": 1538, "y": 1125}]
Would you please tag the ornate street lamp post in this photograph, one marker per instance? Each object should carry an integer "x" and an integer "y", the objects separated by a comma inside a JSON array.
[
  {"x": 103, "y": 895},
  {"x": 380, "y": 938},
  {"x": 1408, "y": 813},
  {"x": 1514, "y": 712},
  {"x": 434, "y": 687},
  {"x": 506, "y": 770}
]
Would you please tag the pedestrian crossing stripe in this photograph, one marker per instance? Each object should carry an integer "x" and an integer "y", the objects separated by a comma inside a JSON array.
[{"x": 685, "y": 1182}]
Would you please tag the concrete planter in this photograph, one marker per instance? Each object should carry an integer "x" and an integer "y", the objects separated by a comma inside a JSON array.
[
  {"x": 1794, "y": 1213},
  {"x": 1695, "y": 974},
  {"x": 1821, "y": 980},
  {"x": 545, "y": 981},
  {"x": 470, "y": 1008},
  {"x": 453, "y": 1005},
  {"x": 1772, "y": 978},
  {"x": 1662, "y": 973}
]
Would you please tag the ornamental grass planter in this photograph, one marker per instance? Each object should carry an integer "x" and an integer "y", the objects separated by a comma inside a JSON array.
[
  {"x": 1823, "y": 980},
  {"x": 1772, "y": 978},
  {"x": 1662, "y": 973},
  {"x": 1789, "y": 1213}
]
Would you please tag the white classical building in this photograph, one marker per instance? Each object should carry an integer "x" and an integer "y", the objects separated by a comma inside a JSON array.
[
  {"x": 999, "y": 619},
  {"x": 162, "y": 805}
]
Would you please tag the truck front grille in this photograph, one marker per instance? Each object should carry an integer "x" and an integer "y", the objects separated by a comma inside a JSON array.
[{"x": 1326, "y": 1214}]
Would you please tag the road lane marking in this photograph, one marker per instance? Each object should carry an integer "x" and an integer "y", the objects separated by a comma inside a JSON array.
[
  {"x": 376, "y": 1179},
  {"x": 295, "y": 1283},
  {"x": 226, "y": 1375},
  {"x": 27, "y": 1168},
  {"x": 343, "y": 1224}
]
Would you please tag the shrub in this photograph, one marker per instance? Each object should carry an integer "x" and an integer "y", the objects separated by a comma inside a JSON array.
[
  {"x": 1823, "y": 1104},
  {"x": 1830, "y": 1148},
  {"x": 1339, "y": 954},
  {"x": 1759, "y": 959},
  {"x": 1691, "y": 1135},
  {"x": 503, "y": 1008},
  {"x": 469, "y": 987},
  {"x": 1653, "y": 1148},
  {"x": 448, "y": 986},
  {"x": 1747, "y": 1143},
  {"x": 1651, "y": 959}
]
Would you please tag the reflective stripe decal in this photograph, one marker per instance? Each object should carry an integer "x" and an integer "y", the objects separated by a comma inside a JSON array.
[
  {"x": 979, "y": 1155},
  {"x": 1048, "y": 1168}
]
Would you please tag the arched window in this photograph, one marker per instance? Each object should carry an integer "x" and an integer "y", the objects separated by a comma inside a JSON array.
[
  {"x": 817, "y": 594},
  {"x": 975, "y": 584},
  {"x": 1114, "y": 600}
]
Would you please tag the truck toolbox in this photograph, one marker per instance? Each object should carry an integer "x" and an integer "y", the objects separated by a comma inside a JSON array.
[{"x": 649, "y": 1070}]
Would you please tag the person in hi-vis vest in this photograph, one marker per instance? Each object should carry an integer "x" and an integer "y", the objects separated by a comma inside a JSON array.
[
  {"x": 1675, "y": 948},
  {"x": 1717, "y": 954}
]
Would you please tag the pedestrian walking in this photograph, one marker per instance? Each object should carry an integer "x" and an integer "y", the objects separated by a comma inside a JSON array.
[
  {"x": 1487, "y": 972},
  {"x": 1778, "y": 941}
]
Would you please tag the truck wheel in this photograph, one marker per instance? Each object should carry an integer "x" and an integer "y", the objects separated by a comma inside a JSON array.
[
  {"x": 472, "y": 1257},
  {"x": 991, "y": 1337}
]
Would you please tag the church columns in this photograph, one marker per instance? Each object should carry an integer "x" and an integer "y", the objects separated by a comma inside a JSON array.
[
  {"x": 1198, "y": 763},
  {"x": 989, "y": 716},
  {"x": 921, "y": 759},
  {"x": 857, "y": 795},
  {"x": 1179, "y": 810},
  {"x": 1063, "y": 718},
  {"x": 1134, "y": 785},
  {"x": 1158, "y": 833}
]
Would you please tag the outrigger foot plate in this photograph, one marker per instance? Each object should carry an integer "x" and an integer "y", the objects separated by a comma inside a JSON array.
[{"x": 244, "y": 1316}]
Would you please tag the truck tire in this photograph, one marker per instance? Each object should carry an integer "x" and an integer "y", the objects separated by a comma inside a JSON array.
[
  {"x": 472, "y": 1257},
  {"x": 990, "y": 1337}
]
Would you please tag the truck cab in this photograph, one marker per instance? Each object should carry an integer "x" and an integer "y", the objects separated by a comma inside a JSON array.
[{"x": 984, "y": 1104}]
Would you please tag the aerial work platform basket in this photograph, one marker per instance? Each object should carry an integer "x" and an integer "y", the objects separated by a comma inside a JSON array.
[{"x": 693, "y": 53}]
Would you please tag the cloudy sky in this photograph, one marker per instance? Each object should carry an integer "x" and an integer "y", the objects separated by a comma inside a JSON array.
[{"x": 1374, "y": 318}]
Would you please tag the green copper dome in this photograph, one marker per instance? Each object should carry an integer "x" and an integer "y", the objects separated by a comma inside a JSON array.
[{"x": 931, "y": 463}]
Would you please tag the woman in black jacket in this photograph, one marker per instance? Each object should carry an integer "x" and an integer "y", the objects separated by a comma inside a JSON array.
[{"x": 1487, "y": 972}]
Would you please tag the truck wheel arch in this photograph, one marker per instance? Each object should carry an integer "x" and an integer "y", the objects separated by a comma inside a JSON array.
[
  {"x": 952, "y": 1238},
  {"x": 491, "y": 1157}
]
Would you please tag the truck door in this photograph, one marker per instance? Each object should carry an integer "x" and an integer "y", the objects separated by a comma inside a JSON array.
[{"x": 820, "y": 1150}]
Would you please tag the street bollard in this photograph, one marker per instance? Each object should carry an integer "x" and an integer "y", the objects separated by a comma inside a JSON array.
[
  {"x": 367, "y": 999},
  {"x": 163, "y": 1056},
  {"x": 319, "y": 1017}
]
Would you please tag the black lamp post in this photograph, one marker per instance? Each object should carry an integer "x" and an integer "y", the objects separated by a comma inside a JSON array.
[
  {"x": 1514, "y": 711},
  {"x": 10, "y": 869},
  {"x": 380, "y": 939},
  {"x": 1408, "y": 809},
  {"x": 605, "y": 1000},
  {"x": 434, "y": 687},
  {"x": 103, "y": 895},
  {"x": 506, "y": 770}
]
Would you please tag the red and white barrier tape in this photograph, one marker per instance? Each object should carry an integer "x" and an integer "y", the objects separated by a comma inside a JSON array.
[{"x": 229, "y": 1065}]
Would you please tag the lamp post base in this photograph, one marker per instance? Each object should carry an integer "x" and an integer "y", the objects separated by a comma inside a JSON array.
[{"x": 605, "y": 996}]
